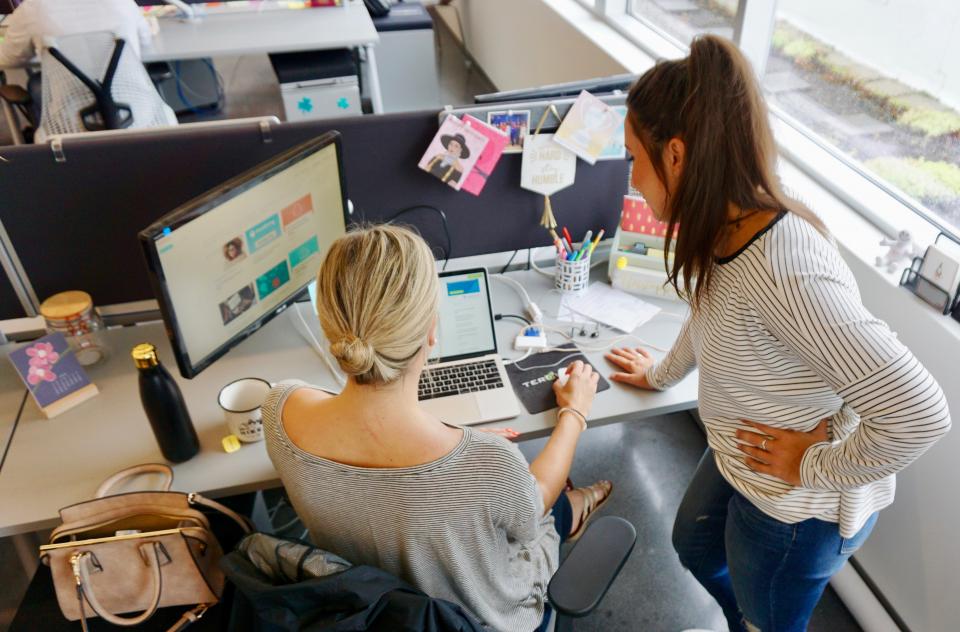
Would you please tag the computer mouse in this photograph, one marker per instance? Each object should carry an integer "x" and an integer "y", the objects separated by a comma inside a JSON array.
[{"x": 563, "y": 376}]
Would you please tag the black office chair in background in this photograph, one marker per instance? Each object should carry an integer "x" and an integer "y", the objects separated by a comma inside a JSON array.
[
  {"x": 90, "y": 82},
  {"x": 290, "y": 585}
]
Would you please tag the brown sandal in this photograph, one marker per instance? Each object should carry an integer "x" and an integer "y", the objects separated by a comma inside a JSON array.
[{"x": 594, "y": 497}]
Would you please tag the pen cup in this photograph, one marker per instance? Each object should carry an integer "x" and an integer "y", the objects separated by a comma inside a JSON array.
[{"x": 572, "y": 276}]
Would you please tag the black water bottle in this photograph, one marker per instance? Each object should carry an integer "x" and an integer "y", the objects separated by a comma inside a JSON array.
[{"x": 165, "y": 407}]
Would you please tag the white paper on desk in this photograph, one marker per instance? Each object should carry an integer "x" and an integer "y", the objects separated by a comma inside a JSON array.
[
  {"x": 612, "y": 307},
  {"x": 567, "y": 315}
]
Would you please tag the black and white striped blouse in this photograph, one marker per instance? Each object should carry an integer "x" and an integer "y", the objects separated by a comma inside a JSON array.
[
  {"x": 783, "y": 339},
  {"x": 468, "y": 527}
]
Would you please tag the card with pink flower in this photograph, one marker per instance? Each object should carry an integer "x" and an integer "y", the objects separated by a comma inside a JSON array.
[{"x": 52, "y": 374}]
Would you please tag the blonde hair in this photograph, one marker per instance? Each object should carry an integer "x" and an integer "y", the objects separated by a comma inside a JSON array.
[{"x": 377, "y": 296}]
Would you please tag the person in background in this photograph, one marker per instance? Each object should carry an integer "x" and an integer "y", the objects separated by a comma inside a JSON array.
[
  {"x": 457, "y": 512},
  {"x": 35, "y": 21},
  {"x": 810, "y": 403}
]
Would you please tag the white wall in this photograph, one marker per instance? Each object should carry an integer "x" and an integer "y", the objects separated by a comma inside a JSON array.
[
  {"x": 914, "y": 41},
  {"x": 528, "y": 43},
  {"x": 913, "y": 554}
]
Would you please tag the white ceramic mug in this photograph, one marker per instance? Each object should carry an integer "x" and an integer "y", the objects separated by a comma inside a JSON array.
[{"x": 241, "y": 401}]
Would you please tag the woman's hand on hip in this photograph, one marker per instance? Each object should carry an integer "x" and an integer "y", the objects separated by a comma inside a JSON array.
[
  {"x": 579, "y": 389},
  {"x": 634, "y": 363},
  {"x": 778, "y": 452}
]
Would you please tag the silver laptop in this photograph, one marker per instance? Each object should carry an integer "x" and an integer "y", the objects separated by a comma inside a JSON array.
[{"x": 465, "y": 381}]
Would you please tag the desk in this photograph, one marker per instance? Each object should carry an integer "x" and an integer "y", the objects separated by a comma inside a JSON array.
[
  {"x": 248, "y": 32},
  {"x": 57, "y": 462}
]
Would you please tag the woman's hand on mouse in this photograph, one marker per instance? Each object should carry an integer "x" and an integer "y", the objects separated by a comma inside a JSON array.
[
  {"x": 579, "y": 389},
  {"x": 634, "y": 363}
]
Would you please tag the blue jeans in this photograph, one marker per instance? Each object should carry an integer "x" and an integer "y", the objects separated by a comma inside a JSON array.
[{"x": 765, "y": 574}]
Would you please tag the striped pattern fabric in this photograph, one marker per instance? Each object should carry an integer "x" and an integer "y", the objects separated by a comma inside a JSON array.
[
  {"x": 467, "y": 527},
  {"x": 783, "y": 339}
]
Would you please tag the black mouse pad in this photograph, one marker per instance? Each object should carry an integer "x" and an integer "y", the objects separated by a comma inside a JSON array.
[{"x": 533, "y": 377}]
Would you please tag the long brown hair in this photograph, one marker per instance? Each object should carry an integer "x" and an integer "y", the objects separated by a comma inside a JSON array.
[{"x": 710, "y": 101}]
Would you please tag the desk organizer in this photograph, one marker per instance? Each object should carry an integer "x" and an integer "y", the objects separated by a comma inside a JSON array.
[
  {"x": 572, "y": 276},
  {"x": 927, "y": 290}
]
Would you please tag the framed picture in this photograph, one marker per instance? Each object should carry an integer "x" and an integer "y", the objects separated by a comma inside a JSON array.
[{"x": 514, "y": 123}]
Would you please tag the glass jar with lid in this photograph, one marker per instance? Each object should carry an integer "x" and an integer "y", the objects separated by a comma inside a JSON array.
[{"x": 72, "y": 314}]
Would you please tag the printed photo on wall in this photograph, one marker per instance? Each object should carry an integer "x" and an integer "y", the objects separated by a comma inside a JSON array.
[
  {"x": 588, "y": 127},
  {"x": 513, "y": 123},
  {"x": 453, "y": 152},
  {"x": 616, "y": 149}
]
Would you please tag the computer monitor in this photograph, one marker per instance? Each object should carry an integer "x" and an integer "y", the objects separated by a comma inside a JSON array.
[{"x": 225, "y": 263}]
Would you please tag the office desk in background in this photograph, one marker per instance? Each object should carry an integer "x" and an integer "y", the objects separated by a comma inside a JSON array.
[{"x": 57, "y": 462}]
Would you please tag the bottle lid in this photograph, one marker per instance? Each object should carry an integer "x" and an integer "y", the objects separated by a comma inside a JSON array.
[
  {"x": 145, "y": 355},
  {"x": 66, "y": 305}
]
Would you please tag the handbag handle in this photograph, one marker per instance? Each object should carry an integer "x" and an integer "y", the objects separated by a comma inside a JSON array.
[
  {"x": 136, "y": 470},
  {"x": 85, "y": 591}
]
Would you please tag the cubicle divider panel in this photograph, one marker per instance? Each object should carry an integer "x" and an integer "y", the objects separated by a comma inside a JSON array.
[{"x": 74, "y": 223}]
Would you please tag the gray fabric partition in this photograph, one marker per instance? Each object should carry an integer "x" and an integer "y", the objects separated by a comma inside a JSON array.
[{"x": 74, "y": 223}]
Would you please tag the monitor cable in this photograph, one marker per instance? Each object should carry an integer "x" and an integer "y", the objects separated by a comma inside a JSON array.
[
  {"x": 342, "y": 381},
  {"x": 443, "y": 220}
]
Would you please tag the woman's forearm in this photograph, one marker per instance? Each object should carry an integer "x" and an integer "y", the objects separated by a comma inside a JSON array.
[{"x": 552, "y": 466}]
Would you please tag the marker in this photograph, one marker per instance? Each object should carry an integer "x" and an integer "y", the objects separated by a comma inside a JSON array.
[
  {"x": 557, "y": 240},
  {"x": 566, "y": 234},
  {"x": 595, "y": 242},
  {"x": 584, "y": 246},
  {"x": 568, "y": 248}
]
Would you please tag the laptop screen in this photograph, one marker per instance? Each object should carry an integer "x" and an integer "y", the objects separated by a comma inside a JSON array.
[{"x": 465, "y": 326}]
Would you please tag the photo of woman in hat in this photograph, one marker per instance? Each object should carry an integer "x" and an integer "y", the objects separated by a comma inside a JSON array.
[
  {"x": 446, "y": 166},
  {"x": 453, "y": 152}
]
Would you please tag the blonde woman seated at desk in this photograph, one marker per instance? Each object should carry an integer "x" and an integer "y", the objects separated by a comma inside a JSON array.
[{"x": 457, "y": 512}]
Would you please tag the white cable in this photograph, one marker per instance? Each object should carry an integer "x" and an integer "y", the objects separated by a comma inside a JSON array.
[
  {"x": 533, "y": 264},
  {"x": 531, "y": 308},
  {"x": 342, "y": 381},
  {"x": 607, "y": 343},
  {"x": 521, "y": 358},
  {"x": 548, "y": 366}
]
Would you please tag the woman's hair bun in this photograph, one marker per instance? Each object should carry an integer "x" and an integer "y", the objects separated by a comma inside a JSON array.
[{"x": 355, "y": 356}]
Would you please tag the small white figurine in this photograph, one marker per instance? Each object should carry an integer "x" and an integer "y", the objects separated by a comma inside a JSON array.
[{"x": 899, "y": 249}]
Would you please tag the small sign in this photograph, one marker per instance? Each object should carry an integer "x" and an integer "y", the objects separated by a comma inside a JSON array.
[{"x": 547, "y": 167}]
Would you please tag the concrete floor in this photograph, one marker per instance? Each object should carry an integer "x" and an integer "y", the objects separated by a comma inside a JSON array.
[{"x": 650, "y": 462}]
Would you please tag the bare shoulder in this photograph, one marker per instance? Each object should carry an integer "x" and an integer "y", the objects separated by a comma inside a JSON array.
[{"x": 301, "y": 407}]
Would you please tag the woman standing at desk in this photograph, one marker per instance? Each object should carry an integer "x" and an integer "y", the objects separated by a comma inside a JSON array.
[
  {"x": 811, "y": 404},
  {"x": 456, "y": 512}
]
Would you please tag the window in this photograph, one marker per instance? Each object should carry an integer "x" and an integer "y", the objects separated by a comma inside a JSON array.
[
  {"x": 684, "y": 19},
  {"x": 878, "y": 81}
]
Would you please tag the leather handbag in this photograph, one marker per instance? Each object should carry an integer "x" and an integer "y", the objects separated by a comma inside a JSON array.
[{"x": 136, "y": 552}]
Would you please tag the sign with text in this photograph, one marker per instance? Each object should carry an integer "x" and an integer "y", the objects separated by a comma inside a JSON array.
[{"x": 547, "y": 167}]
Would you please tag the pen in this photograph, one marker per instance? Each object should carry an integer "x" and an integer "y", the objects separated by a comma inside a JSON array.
[
  {"x": 567, "y": 246},
  {"x": 566, "y": 235},
  {"x": 596, "y": 241}
]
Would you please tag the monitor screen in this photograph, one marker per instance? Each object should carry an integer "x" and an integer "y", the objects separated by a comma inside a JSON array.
[
  {"x": 228, "y": 261},
  {"x": 465, "y": 323}
]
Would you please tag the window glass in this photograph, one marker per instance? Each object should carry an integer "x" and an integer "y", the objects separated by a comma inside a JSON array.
[
  {"x": 683, "y": 19},
  {"x": 877, "y": 79}
]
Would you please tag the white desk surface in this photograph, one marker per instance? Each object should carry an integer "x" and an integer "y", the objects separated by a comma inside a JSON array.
[
  {"x": 250, "y": 32},
  {"x": 57, "y": 462}
]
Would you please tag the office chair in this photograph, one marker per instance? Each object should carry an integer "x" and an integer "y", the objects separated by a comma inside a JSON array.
[
  {"x": 342, "y": 593},
  {"x": 90, "y": 83}
]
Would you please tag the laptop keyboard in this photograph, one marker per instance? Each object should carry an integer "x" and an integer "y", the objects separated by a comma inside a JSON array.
[{"x": 460, "y": 378}]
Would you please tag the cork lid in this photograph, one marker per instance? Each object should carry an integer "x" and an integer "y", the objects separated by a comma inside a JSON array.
[
  {"x": 66, "y": 305},
  {"x": 145, "y": 355}
]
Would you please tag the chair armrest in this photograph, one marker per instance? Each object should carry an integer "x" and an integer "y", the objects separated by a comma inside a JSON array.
[
  {"x": 15, "y": 95},
  {"x": 586, "y": 574}
]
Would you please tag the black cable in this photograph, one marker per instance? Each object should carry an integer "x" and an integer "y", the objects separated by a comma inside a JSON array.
[
  {"x": 516, "y": 316},
  {"x": 443, "y": 219},
  {"x": 16, "y": 422},
  {"x": 509, "y": 261}
]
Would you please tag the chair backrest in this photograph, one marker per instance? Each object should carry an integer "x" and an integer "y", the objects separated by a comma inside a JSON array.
[{"x": 91, "y": 82}]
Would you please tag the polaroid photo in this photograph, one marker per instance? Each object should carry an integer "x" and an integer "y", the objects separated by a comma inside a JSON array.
[
  {"x": 941, "y": 269},
  {"x": 588, "y": 127},
  {"x": 513, "y": 123},
  {"x": 453, "y": 152}
]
